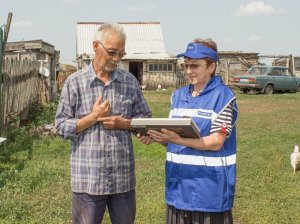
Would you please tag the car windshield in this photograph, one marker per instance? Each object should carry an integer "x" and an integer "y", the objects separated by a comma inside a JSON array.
[{"x": 257, "y": 71}]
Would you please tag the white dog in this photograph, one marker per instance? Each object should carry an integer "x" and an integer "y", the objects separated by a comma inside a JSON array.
[{"x": 295, "y": 158}]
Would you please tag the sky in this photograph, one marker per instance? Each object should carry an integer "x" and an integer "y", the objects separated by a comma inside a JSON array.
[{"x": 267, "y": 27}]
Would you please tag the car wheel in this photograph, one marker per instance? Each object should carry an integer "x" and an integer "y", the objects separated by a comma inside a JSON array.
[
  {"x": 269, "y": 89},
  {"x": 298, "y": 89}
]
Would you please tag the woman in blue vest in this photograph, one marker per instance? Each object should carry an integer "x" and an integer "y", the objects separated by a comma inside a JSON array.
[{"x": 201, "y": 173}]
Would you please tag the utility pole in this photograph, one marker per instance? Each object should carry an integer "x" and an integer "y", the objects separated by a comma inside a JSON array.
[
  {"x": 3, "y": 41},
  {"x": 1, "y": 81},
  {"x": 7, "y": 27}
]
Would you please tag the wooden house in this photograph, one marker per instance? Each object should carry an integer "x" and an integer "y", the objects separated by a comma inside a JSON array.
[
  {"x": 47, "y": 58},
  {"x": 146, "y": 56}
]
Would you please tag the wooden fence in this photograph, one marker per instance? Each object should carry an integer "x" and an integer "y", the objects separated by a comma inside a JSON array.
[
  {"x": 61, "y": 78},
  {"x": 181, "y": 79},
  {"x": 20, "y": 87},
  {"x": 172, "y": 80}
]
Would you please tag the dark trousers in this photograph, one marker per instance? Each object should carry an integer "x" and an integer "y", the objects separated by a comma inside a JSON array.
[
  {"x": 177, "y": 216},
  {"x": 89, "y": 209}
]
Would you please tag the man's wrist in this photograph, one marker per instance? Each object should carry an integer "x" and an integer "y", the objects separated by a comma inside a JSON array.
[
  {"x": 125, "y": 123},
  {"x": 91, "y": 118}
]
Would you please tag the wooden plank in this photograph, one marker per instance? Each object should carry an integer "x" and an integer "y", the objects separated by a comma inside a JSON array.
[
  {"x": 19, "y": 89},
  {"x": 47, "y": 49},
  {"x": 30, "y": 45},
  {"x": 43, "y": 47},
  {"x": 33, "y": 45},
  {"x": 15, "y": 46}
]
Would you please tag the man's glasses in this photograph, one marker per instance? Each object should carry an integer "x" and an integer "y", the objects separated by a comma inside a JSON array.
[
  {"x": 192, "y": 66},
  {"x": 113, "y": 53}
]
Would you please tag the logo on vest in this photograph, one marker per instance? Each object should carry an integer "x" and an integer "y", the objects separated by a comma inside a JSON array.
[{"x": 204, "y": 114}]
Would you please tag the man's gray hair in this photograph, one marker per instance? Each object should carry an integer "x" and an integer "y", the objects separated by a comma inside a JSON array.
[{"x": 103, "y": 30}]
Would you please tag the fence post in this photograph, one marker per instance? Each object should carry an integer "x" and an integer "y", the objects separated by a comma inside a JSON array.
[{"x": 1, "y": 82}]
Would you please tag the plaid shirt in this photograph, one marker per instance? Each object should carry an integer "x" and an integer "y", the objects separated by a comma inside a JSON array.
[{"x": 102, "y": 160}]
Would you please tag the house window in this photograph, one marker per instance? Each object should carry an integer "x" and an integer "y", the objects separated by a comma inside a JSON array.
[
  {"x": 160, "y": 67},
  {"x": 165, "y": 67},
  {"x": 151, "y": 69}
]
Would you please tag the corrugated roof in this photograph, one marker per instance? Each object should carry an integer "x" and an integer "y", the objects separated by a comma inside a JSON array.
[
  {"x": 144, "y": 39},
  {"x": 236, "y": 52}
]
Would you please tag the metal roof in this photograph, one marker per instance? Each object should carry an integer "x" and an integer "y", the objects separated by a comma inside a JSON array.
[
  {"x": 144, "y": 40},
  {"x": 237, "y": 52}
]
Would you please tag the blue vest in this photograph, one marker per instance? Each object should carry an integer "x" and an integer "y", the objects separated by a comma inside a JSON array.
[{"x": 199, "y": 180}]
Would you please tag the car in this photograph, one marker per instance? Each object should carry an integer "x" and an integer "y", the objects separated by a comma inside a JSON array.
[{"x": 267, "y": 79}]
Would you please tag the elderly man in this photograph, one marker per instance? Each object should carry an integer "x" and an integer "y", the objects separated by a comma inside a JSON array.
[{"x": 95, "y": 111}]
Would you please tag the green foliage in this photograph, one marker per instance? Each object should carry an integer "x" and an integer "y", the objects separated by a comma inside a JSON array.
[
  {"x": 20, "y": 148},
  {"x": 20, "y": 145},
  {"x": 41, "y": 114},
  {"x": 35, "y": 179}
]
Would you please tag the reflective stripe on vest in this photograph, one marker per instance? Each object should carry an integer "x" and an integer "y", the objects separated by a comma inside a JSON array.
[{"x": 201, "y": 160}]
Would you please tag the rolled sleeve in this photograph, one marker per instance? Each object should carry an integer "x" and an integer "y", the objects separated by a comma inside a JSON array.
[{"x": 66, "y": 128}]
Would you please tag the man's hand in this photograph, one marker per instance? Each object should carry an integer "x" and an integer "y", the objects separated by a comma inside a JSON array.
[
  {"x": 100, "y": 109},
  {"x": 115, "y": 122}
]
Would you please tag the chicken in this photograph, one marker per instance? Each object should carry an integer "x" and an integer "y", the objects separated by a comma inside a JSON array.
[
  {"x": 159, "y": 87},
  {"x": 143, "y": 87},
  {"x": 295, "y": 158}
]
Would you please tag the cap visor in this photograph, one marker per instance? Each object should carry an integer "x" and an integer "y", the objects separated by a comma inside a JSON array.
[{"x": 191, "y": 55}]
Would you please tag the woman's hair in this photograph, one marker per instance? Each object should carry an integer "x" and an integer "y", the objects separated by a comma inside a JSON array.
[
  {"x": 102, "y": 33},
  {"x": 208, "y": 43},
  {"x": 212, "y": 45}
]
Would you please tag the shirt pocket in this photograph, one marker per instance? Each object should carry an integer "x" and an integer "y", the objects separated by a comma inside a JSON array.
[
  {"x": 122, "y": 106},
  {"x": 83, "y": 109}
]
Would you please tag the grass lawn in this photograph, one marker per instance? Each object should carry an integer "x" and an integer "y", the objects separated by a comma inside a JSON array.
[{"x": 35, "y": 179}]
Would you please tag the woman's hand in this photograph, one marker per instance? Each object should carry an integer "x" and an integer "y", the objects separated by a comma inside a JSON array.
[
  {"x": 146, "y": 139},
  {"x": 213, "y": 142},
  {"x": 164, "y": 136}
]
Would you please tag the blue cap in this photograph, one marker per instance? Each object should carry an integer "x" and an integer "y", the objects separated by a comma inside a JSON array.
[{"x": 199, "y": 51}]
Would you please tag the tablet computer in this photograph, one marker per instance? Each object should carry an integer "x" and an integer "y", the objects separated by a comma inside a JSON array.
[{"x": 185, "y": 127}]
